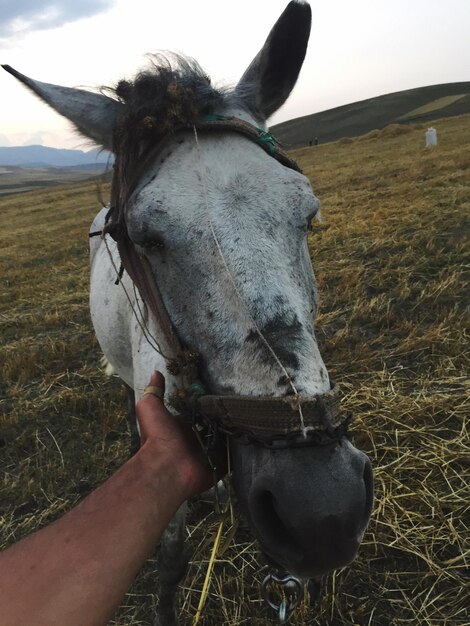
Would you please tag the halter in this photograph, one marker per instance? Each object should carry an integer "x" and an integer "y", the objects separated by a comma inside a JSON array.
[{"x": 272, "y": 422}]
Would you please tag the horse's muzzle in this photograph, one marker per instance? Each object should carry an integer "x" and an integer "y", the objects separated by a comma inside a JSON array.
[{"x": 308, "y": 507}]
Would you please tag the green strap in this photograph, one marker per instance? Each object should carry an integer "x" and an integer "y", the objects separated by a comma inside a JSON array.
[
  {"x": 264, "y": 137},
  {"x": 268, "y": 139}
]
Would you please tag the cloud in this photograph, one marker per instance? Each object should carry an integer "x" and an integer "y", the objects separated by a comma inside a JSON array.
[{"x": 22, "y": 16}]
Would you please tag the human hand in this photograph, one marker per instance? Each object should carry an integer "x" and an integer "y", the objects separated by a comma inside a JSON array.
[{"x": 165, "y": 435}]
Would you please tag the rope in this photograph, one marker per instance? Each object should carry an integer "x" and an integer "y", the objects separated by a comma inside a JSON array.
[
  {"x": 144, "y": 328},
  {"x": 304, "y": 429},
  {"x": 264, "y": 138}
]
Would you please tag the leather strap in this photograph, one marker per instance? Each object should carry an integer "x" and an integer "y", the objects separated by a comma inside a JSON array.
[
  {"x": 181, "y": 362},
  {"x": 264, "y": 139},
  {"x": 266, "y": 414}
]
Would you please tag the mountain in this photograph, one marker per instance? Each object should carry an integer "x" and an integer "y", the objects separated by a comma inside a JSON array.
[
  {"x": 42, "y": 156},
  {"x": 412, "y": 106},
  {"x": 422, "y": 104}
]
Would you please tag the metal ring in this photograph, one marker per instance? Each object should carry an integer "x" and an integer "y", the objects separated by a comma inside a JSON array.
[
  {"x": 292, "y": 587},
  {"x": 153, "y": 390}
]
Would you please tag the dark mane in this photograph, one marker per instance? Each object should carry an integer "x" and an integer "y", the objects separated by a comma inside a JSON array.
[{"x": 173, "y": 93}]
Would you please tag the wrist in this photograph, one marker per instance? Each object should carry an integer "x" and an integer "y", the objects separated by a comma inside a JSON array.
[{"x": 162, "y": 471}]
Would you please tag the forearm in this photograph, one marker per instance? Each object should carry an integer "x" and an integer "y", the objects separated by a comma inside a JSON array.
[{"x": 76, "y": 571}]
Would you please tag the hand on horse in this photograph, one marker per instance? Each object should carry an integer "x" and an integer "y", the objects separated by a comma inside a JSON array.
[
  {"x": 100, "y": 545},
  {"x": 164, "y": 435}
]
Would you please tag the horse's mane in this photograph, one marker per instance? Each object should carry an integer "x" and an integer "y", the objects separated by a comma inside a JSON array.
[{"x": 174, "y": 92}]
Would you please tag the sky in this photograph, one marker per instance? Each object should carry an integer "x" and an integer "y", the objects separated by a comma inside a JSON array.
[{"x": 358, "y": 49}]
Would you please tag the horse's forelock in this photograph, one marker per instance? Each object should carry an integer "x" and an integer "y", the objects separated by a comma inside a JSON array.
[{"x": 172, "y": 93}]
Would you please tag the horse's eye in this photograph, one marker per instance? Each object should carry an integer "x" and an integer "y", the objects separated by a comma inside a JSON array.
[
  {"x": 154, "y": 245},
  {"x": 150, "y": 245}
]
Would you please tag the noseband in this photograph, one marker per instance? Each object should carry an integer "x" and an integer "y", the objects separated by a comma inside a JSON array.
[{"x": 272, "y": 422}]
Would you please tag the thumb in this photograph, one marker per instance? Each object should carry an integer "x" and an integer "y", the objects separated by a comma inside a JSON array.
[
  {"x": 156, "y": 380},
  {"x": 150, "y": 408}
]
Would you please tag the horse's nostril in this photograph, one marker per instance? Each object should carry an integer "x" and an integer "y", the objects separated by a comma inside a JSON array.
[{"x": 269, "y": 521}]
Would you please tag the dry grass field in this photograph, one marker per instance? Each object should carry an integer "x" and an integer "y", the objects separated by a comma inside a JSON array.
[
  {"x": 15, "y": 179},
  {"x": 421, "y": 105},
  {"x": 389, "y": 257}
]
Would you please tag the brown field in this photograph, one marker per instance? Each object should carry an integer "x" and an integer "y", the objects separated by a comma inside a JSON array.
[
  {"x": 15, "y": 179},
  {"x": 389, "y": 258}
]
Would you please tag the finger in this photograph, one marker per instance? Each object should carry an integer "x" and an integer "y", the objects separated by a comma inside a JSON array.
[
  {"x": 156, "y": 386},
  {"x": 150, "y": 408}
]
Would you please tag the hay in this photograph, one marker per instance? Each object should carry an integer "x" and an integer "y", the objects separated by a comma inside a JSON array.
[
  {"x": 388, "y": 257},
  {"x": 396, "y": 130}
]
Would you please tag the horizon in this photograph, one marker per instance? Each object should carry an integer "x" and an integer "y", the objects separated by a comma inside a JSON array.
[
  {"x": 95, "y": 148},
  {"x": 41, "y": 145},
  {"x": 374, "y": 49}
]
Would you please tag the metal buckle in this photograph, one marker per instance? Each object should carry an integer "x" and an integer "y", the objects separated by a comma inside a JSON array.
[{"x": 290, "y": 587}]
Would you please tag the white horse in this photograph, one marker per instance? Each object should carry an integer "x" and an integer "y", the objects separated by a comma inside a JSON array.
[{"x": 223, "y": 228}]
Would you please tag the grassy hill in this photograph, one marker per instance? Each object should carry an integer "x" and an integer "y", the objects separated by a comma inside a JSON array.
[
  {"x": 351, "y": 120},
  {"x": 404, "y": 107},
  {"x": 15, "y": 179},
  {"x": 389, "y": 258}
]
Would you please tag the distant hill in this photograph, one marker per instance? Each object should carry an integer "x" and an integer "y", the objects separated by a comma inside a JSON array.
[
  {"x": 42, "y": 156},
  {"x": 403, "y": 107},
  {"x": 350, "y": 120},
  {"x": 17, "y": 179}
]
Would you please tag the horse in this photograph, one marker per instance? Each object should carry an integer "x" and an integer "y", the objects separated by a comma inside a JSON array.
[{"x": 202, "y": 271}]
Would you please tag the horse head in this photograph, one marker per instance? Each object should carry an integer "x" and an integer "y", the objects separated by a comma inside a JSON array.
[{"x": 223, "y": 227}]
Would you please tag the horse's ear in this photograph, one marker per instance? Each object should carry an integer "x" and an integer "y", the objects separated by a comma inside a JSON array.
[
  {"x": 272, "y": 74},
  {"x": 93, "y": 114}
]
